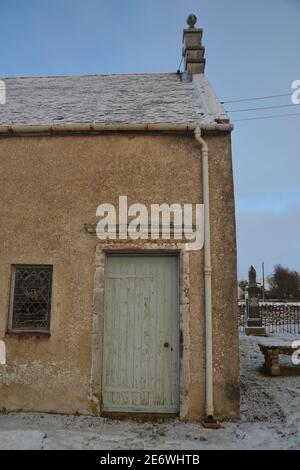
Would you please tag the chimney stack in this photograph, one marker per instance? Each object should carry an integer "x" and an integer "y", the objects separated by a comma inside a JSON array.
[{"x": 193, "y": 51}]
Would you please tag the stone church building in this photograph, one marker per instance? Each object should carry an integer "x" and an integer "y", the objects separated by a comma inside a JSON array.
[{"x": 101, "y": 326}]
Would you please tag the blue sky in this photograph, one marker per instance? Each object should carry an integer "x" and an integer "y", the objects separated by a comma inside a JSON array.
[{"x": 251, "y": 50}]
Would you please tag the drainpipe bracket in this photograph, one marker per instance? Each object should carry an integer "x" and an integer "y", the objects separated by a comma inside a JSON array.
[{"x": 207, "y": 271}]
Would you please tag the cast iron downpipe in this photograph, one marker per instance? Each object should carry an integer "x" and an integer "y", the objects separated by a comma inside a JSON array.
[{"x": 207, "y": 282}]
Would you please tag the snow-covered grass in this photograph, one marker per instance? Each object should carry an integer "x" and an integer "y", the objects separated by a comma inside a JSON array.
[{"x": 270, "y": 419}]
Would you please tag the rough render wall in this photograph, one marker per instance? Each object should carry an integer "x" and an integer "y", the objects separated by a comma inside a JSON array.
[{"x": 50, "y": 187}]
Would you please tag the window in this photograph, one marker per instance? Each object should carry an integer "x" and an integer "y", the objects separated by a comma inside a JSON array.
[{"x": 30, "y": 299}]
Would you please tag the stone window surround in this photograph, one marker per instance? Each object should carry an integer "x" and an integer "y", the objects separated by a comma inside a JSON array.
[
  {"x": 23, "y": 332},
  {"x": 102, "y": 250}
]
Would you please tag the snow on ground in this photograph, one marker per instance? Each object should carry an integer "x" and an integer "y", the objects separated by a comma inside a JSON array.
[{"x": 270, "y": 419}]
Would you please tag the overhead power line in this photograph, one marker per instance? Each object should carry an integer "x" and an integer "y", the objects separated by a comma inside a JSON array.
[
  {"x": 257, "y": 98},
  {"x": 260, "y": 108},
  {"x": 266, "y": 117}
]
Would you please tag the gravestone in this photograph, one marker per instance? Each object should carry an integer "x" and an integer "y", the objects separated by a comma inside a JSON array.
[{"x": 254, "y": 321}]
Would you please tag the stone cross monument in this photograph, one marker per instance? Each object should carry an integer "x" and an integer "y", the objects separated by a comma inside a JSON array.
[{"x": 254, "y": 320}]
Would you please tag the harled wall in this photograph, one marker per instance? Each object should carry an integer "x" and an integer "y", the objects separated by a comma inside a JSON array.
[{"x": 50, "y": 186}]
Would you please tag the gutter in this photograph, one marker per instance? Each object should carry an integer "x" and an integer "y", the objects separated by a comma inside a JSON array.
[{"x": 95, "y": 128}]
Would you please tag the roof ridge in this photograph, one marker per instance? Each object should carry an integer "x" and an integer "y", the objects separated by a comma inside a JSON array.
[{"x": 125, "y": 74}]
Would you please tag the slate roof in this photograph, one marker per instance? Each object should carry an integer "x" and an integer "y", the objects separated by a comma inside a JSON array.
[{"x": 132, "y": 98}]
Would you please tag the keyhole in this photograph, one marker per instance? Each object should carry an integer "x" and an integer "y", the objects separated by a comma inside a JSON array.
[{"x": 166, "y": 345}]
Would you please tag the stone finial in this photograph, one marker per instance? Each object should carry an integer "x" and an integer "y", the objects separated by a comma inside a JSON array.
[
  {"x": 193, "y": 51},
  {"x": 191, "y": 21},
  {"x": 252, "y": 275}
]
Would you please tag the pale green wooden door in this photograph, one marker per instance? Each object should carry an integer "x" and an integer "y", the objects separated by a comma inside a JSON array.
[{"x": 141, "y": 334}]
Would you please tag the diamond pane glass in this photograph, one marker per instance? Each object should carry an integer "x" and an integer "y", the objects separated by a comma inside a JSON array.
[{"x": 32, "y": 298}]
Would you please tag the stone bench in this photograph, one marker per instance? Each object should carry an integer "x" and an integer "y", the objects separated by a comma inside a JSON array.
[{"x": 271, "y": 349}]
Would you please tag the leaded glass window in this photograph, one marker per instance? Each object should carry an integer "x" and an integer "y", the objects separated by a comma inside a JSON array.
[{"x": 31, "y": 299}]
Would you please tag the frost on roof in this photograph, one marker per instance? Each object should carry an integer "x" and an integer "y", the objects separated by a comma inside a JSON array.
[{"x": 134, "y": 98}]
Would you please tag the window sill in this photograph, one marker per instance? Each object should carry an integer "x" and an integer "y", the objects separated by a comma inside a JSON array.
[{"x": 28, "y": 334}]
